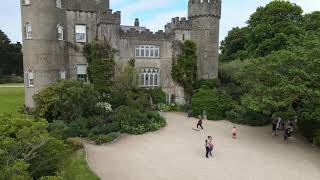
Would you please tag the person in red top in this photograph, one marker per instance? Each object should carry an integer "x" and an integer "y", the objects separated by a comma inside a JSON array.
[{"x": 234, "y": 132}]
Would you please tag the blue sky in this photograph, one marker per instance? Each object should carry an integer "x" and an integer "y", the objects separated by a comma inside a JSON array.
[{"x": 155, "y": 13}]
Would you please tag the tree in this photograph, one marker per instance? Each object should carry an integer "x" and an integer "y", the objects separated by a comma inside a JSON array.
[
  {"x": 269, "y": 29},
  {"x": 66, "y": 100},
  {"x": 286, "y": 83},
  {"x": 234, "y": 45},
  {"x": 26, "y": 149},
  {"x": 311, "y": 22},
  {"x": 184, "y": 68},
  {"x": 271, "y": 26},
  {"x": 100, "y": 57},
  {"x": 10, "y": 56}
]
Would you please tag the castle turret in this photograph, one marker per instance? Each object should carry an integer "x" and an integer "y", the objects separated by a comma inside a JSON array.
[
  {"x": 43, "y": 28},
  {"x": 205, "y": 18}
]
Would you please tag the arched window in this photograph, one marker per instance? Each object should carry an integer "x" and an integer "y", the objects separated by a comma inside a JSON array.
[
  {"x": 30, "y": 78},
  {"x": 58, "y": 4},
  {"x": 62, "y": 73},
  {"x": 28, "y": 31},
  {"x": 60, "y": 32},
  {"x": 26, "y": 2},
  {"x": 149, "y": 77}
]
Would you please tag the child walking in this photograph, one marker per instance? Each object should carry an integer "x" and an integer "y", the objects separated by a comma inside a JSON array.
[
  {"x": 234, "y": 132},
  {"x": 200, "y": 123}
]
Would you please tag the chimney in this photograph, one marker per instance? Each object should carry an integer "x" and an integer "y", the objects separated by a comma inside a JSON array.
[{"x": 136, "y": 22}]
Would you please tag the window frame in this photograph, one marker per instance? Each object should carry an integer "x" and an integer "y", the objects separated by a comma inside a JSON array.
[
  {"x": 30, "y": 78},
  {"x": 24, "y": 3},
  {"x": 149, "y": 77},
  {"x": 59, "y": 4},
  {"x": 59, "y": 28},
  {"x": 82, "y": 77},
  {"x": 85, "y": 34},
  {"x": 28, "y": 30},
  {"x": 147, "y": 51}
]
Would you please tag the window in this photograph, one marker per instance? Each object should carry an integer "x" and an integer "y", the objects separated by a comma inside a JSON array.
[
  {"x": 58, "y": 3},
  {"x": 28, "y": 31},
  {"x": 147, "y": 51},
  {"x": 81, "y": 33},
  {"x": 62, "y": 73},
  {"x": 60, "y": 32},
  {"x": 30, "y": 78},
  {"x": 26, "y": 2},
  {"x": 82, "y": 72},
  {"x": 149, "y": 77}
]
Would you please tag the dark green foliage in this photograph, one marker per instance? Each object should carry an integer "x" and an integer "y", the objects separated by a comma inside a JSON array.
[
  {"x": 184, "y": 68},
  {"x": 133, "y": 121},
  {"x": 78, "y": 128},
  {"x": 11, "y": 59},
  {"x": 58, "y": 129},
  {"x": 233, "y": 47},
  {"x": 214, "y": 102},
  {"x": 26, "y": 148},
  {"x": 10, "y": 79},
  {"x": 66, "y": 100},
  {"x": 211, "y": 83},
  {"x": 49, "y": 158},
  {"x": 75, "y": 143},
  {"x": 100, "y": 57},
  {"x": 269, "y": 29},
  {"x": 158, "y": 96},
  {"x": 101, "y": 139},
  {"x": 311, "y": 22}
]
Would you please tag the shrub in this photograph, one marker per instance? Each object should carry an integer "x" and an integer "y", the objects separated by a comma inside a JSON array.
[
  {"x": 78, "y": 128},
  {"x": 158, "y": 96},
  {"x": 51, "y": 178},
  {"x": 213, "y": 102},
  {"x": 133, "y": 121},
  {"x": 75, "y": 143},
  {"x": 317, "y": 137},
  {"x": 101, "y": 139},
  {"x": 11, "y": 79},
  {"x": 58, "y": 129},
  {"x": 211, "y": 83},
  {"x": 66, "y": 100}
]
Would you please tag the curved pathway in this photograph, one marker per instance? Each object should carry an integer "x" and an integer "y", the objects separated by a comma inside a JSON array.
[{"x": 177, "y": 153}]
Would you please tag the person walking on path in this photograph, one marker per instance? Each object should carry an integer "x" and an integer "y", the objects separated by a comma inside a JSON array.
[
  {"x": 199, "y": 123},
  {"x": 287, "y": 134},
  {"x": 210, "y": 145},
  {"x": 274, "y": 127},
  {"x": 207, "y": 148},
  {"x": 234, "y": 132}
]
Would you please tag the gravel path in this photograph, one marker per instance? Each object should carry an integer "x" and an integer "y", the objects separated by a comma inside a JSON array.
[{"x": 177, "y": 153}]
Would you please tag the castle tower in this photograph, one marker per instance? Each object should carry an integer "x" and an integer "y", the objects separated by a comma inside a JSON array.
[
  {"x": 205, "y": 18},
  {"x": 44, "y": 51}
]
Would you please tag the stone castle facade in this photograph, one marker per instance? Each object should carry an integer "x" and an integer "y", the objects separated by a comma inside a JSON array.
[{"x": 55, "y": 31}]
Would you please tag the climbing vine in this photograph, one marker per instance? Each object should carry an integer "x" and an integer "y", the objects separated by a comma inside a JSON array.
[
  {"x": 184, "y": 68},
  {"x": 101, "y": 69}
]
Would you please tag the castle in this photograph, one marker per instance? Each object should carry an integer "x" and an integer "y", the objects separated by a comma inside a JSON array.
[{"x": 54, "y": 32}]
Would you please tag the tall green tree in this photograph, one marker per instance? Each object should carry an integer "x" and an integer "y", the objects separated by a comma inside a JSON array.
[
  {"x": 234, "y": 45},
  {"x": 11, "y": 59},
  {"x": 311, "y": 22},
  {"x": 100, "y": 57},
  {"x": 184, "y": 68}
]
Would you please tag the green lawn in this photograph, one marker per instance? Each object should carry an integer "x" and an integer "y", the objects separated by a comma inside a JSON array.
[
  {"x": 77, "y": 168},
  {"x": 11, "y": 99}
]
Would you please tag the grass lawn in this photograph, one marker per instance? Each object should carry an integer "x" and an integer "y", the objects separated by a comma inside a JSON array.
[
  {"x": 77, "y": 168},
  {"x": 11, "y": 98}
]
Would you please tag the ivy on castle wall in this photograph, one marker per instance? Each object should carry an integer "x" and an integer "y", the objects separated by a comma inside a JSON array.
[
  {"x": 184, "y": 67},
  {"x": 101, "y": 69}
]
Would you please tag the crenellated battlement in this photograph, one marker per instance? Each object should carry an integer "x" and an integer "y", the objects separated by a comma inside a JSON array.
[
  {"x": 145, "y": 35},
  {"x": 177, "y": 23},
  {"x": 198, "y": 8},
  {"x": 109, "y": 17}
]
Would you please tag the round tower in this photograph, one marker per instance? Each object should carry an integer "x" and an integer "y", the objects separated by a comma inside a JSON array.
[
  {"x": 205, "y": 18},
  {"x": 44, "y": 32}
]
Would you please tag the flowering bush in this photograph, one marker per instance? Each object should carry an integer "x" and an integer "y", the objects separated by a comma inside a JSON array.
[{"x": 105, "y": 106}]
